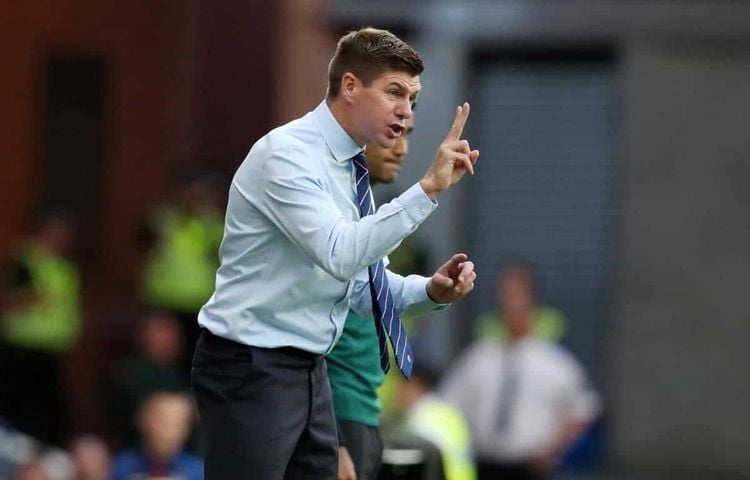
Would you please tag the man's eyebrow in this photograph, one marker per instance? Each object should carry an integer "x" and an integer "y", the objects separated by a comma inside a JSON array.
[{"x": 402, "y": 87}]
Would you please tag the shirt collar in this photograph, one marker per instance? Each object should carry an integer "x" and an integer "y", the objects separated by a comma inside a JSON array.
[{"x": 341, "y": 144}]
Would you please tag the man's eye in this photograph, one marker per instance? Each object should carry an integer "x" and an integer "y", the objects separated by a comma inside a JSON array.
[{"x": 393, "y": 93}]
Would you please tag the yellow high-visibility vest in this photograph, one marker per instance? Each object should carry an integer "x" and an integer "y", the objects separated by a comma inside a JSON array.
[
  {"x": 443, "y": 425},
  {"x": 52, "y": 321},
  {"x": 180, "y": 274}
]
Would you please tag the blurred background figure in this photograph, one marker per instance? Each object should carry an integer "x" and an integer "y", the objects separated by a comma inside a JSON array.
[
  {"x": 32, "y": 470},
  {"x": 526, "y": 399},
  {"x": 184, "y": 235},
  {"x": 91, "y": 458},
  {"x": 408, "y": 456},
  {"x": 45, "y": 464},
  {"x": 40, "y": 318},
  {"x": 548, "y": 321},
  {"x": 165, "y": 420},
  {"x": 154, "y": 367},
  {"x": 438, "y": 421},
  {"x": 16, "y": 449}
]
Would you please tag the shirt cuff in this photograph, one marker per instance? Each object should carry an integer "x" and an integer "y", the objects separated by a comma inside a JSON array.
[
  {"x": 436, "y": 306},
  {"x": 417, "y": 204},
  {"x": 423, "y": 304}
]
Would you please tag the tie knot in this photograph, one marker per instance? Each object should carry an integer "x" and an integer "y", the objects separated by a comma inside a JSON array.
[
  {"x": 362, "y": 176},
  {"x": 360, "y": 162}
]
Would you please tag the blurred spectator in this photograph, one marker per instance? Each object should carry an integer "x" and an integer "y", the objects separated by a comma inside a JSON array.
[
  {"x": 39, "y": 323},
  {"x": 525, "y": 399},
  {"x": 155, "y": 367},
  {"x": 91, "y": 458},
  {"x": 58, "y": 464},
  {"x": 32, "y": 470},
  {"x": 437, "y": 421},
  {"x": 164, "y": 420},
  {"x": 184, "y": 237},
  {"x": 22, "y": 455},
  {"x": 407, "y": 456},
  {"x": 549, "y": 322},
  {"x": 16, "y": 449}
]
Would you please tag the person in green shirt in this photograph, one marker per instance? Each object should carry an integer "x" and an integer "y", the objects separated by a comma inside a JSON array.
[{"x": 354, "y": 364}]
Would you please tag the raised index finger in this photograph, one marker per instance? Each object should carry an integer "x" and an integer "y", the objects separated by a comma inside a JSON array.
[{"x": 462, "y": 114}]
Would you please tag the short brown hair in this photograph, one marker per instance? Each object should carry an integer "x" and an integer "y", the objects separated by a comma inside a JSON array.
[{"x": 367, "y": 53}]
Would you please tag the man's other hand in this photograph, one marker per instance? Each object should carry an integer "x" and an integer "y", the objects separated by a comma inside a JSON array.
[
  {"x": 453, "y": 280},
  {"x": 346, "y": 466}
]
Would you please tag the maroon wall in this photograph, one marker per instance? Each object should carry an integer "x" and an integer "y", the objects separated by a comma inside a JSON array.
[{"x": 186, "y": 80}]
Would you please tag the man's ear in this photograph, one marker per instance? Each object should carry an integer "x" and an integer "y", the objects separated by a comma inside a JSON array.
[{"x": 349, "y": 86}]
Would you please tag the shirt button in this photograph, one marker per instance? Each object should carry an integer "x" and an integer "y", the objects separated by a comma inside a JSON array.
[{"x": 423, "y": 210}]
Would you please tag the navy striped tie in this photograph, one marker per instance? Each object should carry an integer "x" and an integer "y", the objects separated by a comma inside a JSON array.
[{"x": 386, "y": 316}]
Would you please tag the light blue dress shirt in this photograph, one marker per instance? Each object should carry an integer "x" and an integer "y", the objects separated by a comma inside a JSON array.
[{"x": 295, "y": 252}]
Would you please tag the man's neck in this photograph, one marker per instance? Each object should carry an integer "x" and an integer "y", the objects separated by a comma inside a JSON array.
[
  {"x": 342, "y": 115},
  {"x": 517, "y": 337}
]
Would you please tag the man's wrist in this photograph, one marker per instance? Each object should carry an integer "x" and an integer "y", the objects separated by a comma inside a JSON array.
[
  {"x": 431, "y": 295},
  {"x": 429, "y": 188}
]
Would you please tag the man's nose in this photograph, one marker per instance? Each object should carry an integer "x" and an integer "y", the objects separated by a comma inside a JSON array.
[{"x": 405, "y": 110}]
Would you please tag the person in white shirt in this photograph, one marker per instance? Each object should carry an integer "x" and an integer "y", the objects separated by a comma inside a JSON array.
[
  {"x": 525, "y": 399},
  {"x": 302, "y": 245}
]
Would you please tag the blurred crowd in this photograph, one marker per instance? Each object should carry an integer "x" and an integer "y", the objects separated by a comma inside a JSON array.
[
  {"x": 515, "y": 404},
  {"x": 151, "y": 417}
]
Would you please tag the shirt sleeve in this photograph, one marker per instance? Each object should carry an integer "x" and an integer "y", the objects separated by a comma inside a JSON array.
[
  {"x": 460, "y": 385},
  {"x": 409, "y": 295},
  {"x": 295, "y": 200},
  {"x": 580, "y": 401}
]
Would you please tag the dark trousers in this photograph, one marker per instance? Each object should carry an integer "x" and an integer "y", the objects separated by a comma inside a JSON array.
[
  {"x": 364, "y": 446},
  {"x": 32, "y": 396},
  {"x": 190, "y": 332},
  {"x": 508, "y": 471},
  {"x": 265, "y": 413}
]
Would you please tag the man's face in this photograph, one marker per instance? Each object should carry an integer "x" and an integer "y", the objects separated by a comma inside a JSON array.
[
  {"x": 381, "y": 109},
  {"x": 517, "y": 302},
  {"x": 384, "y": 164},
  {"x": 165, "y": 422}
]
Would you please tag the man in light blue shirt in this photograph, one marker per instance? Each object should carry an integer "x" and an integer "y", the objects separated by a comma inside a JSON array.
[{"x": 295, "y": 259}]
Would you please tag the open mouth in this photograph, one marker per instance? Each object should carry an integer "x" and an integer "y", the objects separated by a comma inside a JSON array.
[{"x": 395, "y": 130}]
